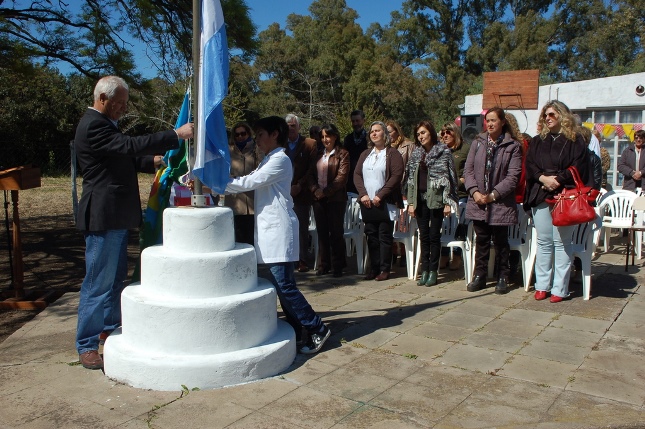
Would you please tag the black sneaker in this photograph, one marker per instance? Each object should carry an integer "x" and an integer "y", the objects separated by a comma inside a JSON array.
[{"x": 315, "y": 342}]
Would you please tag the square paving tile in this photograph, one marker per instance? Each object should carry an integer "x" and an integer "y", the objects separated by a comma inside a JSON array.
[
  {"x": 567, "y": 336},
  {"x": 412, "y": 345},
  {"x": 501, "y": 403},
  {"x": 618, "y": 362},
  {"x": 424, "y": 405},
  {"x": 504, "y": 343},
  {"x": 581, "y": 324},
  {"x": 579, "y": 410},
  {"x": 463, "y": 320},
  {"x": 310, "y": 408},
  {"x": 479, "y": 308},
  {"x": 339, "y": 356},
  {"x": 439, "y": 331},
  {"x": 609, "y": 385},
  {"x": 474, "y": 358},
  {"x": 365, "y": 336},
  {"x": 353, "y": 383},
  {"x": 387, "y": 364},
  {"x": 558, "y": 352},
  {"x": 522, "y": 315},
  {"x": 526, "y": 330},
  {"x": 197, "y": 411},
  {"x": 305, "y": 371},
  {"x": 368, "y": 417},
  {"x": 540, "y": 371}
]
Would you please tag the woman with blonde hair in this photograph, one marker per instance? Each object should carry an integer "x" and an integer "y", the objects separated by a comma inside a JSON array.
[
  {"x": 550, "y": 154},
  {"x": 405, "y": 148}
]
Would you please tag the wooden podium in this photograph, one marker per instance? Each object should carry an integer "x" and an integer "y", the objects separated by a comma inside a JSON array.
[{"x": 14, "y": 180}]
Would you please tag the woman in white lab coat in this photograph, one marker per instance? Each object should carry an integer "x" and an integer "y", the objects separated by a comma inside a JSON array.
[{"x": 276, "y": 227}]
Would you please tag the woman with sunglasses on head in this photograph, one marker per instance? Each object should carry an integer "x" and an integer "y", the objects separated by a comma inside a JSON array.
[
  {"x": 451, "y": 136},
  {"x": 405, "y": 148},
  {"x": 492, "y": 171},
  {"x": 245, "y": 157},
  {"x": 549, "y": 156},
  {"x": 431, "y": 189}
]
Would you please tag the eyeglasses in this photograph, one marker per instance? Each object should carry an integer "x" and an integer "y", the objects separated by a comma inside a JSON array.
[
  {"x": 550, "y": 115},
  {"x": 444, "y": 132},
  {"x": 242, "y": 134}
]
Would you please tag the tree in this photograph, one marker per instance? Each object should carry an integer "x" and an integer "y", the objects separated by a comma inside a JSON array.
[
  {"x": 96, "y": 37},
  {"x": 39, "y": 110}
]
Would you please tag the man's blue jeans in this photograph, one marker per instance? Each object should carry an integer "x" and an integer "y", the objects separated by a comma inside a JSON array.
[
  {"x": 294, "y": 304},
  {"x": 106, "y": 266}
]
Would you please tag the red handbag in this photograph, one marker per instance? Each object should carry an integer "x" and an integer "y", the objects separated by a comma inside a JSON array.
[{"x": 571, "y": 206}]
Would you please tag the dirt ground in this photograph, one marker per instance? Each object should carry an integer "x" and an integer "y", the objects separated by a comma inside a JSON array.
[{"x": 52, "y": 248}]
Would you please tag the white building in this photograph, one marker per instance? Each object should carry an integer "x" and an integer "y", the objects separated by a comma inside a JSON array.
[{"x": 613, "y": 105}]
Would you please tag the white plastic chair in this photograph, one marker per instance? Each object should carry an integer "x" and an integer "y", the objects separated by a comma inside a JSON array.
[
  {"x": 407, "y": 237},
  {"x": 582, "y": 243},
  {"x": 616, "y": 210},
  {"x": 354, "y": 238},
  {"x": 313, "y": 233},
  {"x": 638, "y": 218},
  {"x": 521, "y": 237},
  {"x": 448, "y": 230}
]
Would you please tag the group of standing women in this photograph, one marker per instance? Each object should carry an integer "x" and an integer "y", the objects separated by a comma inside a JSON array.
[
  {"x": 490, "y": 174},
  {"x": 493, "y": 172}
]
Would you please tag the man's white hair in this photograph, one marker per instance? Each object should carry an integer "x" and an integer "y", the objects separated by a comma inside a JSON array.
[
  {"x": 290, "y": 117},
  {"x": 108, "y": 85}
]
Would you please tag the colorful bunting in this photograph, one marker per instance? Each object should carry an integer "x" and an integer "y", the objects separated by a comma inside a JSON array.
[{"x": 621, "y": 130}]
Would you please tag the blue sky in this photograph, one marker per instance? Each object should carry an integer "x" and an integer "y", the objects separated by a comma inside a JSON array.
[{"x": 266, "y": 12}]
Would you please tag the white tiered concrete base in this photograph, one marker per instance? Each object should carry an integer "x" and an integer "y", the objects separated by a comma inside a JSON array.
[{"x": 158, "y": 371}]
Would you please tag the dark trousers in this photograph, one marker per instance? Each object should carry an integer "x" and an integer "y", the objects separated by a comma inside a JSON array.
[
  {"x": 499, "y": 235},
  {"x": 379, "y": 244},
  {"x": 244, "y": 228},
  {"x": 430, "y": 222},
  {"x": 303, "y": 212},
  {"x": 330, "y": 216}
]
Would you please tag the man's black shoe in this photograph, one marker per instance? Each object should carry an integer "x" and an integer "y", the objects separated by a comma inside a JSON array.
[
  {"x": 501, "y": 287},
  {"x": 479, "y": 282}
]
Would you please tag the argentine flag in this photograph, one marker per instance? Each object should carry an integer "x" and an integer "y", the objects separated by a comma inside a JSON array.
[{"x": 212, "y": 158}]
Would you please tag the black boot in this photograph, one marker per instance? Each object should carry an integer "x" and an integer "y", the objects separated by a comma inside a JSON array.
[
  {"x": 500, "y": 287},
  {"x": 479, "y": 282}
]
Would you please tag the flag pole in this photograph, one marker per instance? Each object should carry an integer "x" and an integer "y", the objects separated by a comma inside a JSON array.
[{"x": 198, "y": 199}]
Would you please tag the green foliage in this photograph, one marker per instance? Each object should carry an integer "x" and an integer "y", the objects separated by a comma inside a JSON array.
[{"x": 39, "y": 112}]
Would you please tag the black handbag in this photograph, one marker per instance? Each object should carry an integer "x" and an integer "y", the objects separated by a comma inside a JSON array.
[{"x": 375, "y": 214}]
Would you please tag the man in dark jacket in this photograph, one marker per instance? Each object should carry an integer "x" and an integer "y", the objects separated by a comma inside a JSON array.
[
  {"x": 302, "y": 152},
  {"x": 109, "y": 206},
  {"x": 355, "y": 143},
  {"x": 632, "y": 163}
]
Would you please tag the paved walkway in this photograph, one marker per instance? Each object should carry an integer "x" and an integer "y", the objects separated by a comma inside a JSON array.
[{"x": 401, "y": 356}]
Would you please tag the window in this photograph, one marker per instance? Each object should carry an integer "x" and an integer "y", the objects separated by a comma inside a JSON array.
[
  {"x": 605, "y": 117},
  {"x": 631, "y": 116}
]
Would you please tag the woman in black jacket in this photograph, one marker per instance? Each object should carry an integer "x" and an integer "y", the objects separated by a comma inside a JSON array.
[{"x": 550, "y": 154}]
